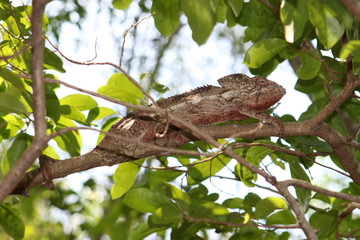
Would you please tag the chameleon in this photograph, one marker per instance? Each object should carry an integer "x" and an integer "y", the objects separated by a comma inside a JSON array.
[{"x": 237, "y": 98}]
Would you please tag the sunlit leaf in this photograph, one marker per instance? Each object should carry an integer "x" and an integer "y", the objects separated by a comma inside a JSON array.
[
  {"x": 11, "y": 104},
  {"x": 121, "y": 4},
  {"x": 120, "y": 87},
  {"x": 236, "y": 6},
  {"x": 12, "y": 78},
  {"x": 263, "y": 51},
  {"x": 295, "y": 16},
  {"x": 73, "y": 113},
  {"x": 349, "y": 48},
  {"x": 167, "y": 17},
  {"x": 201, "y": 17},
  {"x": 281, "y": 217},
  {"x": 81, "y": 101},
  {"x": 182, "y": 198},
  {"x": 17, "y": 148},
  {"x": 98, "y": 113},
  {"x": 266, "y": 206},
  {"x": 328, "y": 29},
  {"x": 124, "y": 177}
]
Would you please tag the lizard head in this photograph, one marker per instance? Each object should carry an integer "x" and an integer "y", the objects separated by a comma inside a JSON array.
[{"x": 257, "y": 93}]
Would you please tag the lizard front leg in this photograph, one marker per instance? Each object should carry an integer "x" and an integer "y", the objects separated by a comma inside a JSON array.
[{"x": 262, "y": 117}]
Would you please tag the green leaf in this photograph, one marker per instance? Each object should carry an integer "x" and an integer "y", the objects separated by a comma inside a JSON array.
[
  {"x": 349, "y": 48},
  {"x": 13, "y": 79},
  {"x": 255, "y": 14},
  {"x": 245, "y": 175},
  {"x": 236, "y": 6},
  {"x": 145, "y": 200},
  {"x": 310, "y": 65},
  {"x": 121, "y": 4},
  {"x": 143, "y": 230},
  {"x": 52, "y": 103},
  {"x": 165, "y": 215},
  {"x": 281, "y": 217},
  {"x": 325, "y": 222},
  {"x": 158, "y": 177},
  {"x": 98, "y": 113},
  {"x": 167, "y": 17},
  {"x": 221, "y": 11},
  {"x": 17, "y": 148},
  {"x": 120, "y": 87},
  {"x": 11, "y": 222},
  {"x": 323, "y": 198},
  {"x": 313, "y": 86},
  {"x": 53, "y": 61},
  {"x": 267, "y": 68},
  {"x": 214, "y": 208},
  {"x": 266, "y": 206},
  {"x": 201, "y": 17},
  {"x": 124, "y": 177},
  {"x": 251, "y": 199},
  {"x": 314, "y": 109},
  {"x": 298, "y": 172},
  {"x": 295, "y": 16},
  {"x": 181, "y": 197},
  {"x": 160, "y": 88},
  {"x": 73, "y": 113},
  {"x": 70, "y": 141},
  {"x": 202, "y": 171},
  {"x": 13, "y": 125},
  {"x": 80, "y": 101},
  {"x": 328, "y": 29},
  {"x": 11, "y": 104},
  {"x": 256, "y": 154},
  {"x": 233, "y": 203},
  {"x": 337, "y": 122},
  {"x": 108, "y": 124},
  {"x": 263, "y": 51}
]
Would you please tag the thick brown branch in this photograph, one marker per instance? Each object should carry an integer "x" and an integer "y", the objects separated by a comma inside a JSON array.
[
  {"x": 353, "y": 6},
  {"x": 15, "y": 174}
]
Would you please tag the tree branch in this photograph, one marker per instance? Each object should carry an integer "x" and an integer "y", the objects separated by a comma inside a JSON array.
[
  {"x": 15, "y": 174},
  {"x": 353, "y": 6}
]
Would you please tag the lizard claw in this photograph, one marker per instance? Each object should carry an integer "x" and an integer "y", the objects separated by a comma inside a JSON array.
[
  {"x": 46, "y": 171},
  {"x": 279, "y": 125}
]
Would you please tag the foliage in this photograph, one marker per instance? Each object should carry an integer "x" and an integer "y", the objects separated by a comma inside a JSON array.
[{"x": 170, "y": 195}]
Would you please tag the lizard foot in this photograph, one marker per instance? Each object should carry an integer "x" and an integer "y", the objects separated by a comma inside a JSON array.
[{"x": 46, "y": 171}]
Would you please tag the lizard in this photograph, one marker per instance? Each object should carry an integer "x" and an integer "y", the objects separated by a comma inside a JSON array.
[{"x": 237, "y": 98}]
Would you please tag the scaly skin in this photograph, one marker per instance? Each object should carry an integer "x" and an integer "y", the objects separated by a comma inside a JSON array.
[{"x": 238, "y": 98}]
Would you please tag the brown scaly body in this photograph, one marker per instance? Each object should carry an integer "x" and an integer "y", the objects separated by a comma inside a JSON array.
[{"x": 238, "y": 98}]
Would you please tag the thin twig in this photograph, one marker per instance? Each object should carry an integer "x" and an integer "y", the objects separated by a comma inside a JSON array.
[
  {"x": 86, "y": 63},
  {"x": 126, "y": 32}
]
